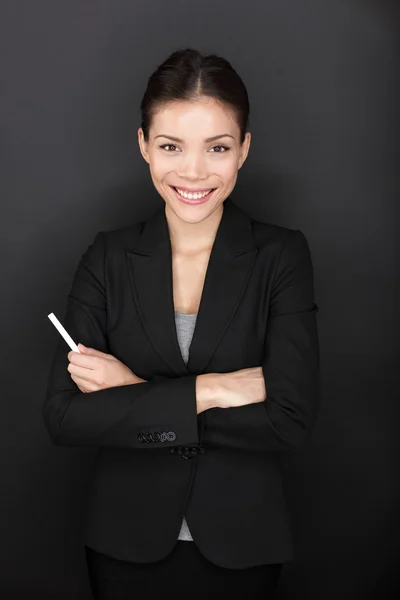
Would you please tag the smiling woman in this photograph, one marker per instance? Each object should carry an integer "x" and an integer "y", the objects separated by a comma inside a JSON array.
[
  {"x": 194, "y": 137},
  {"x": 194, "y": 164},
  {"x": 198, "y": 275}
]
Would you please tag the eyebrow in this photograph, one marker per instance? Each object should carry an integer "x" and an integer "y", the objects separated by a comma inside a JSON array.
[{"x": 211, "y": 139}]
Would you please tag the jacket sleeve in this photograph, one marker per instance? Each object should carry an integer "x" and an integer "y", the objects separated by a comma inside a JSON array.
[
  {"x": 284, "y": 421},
  {"x": 153, "y": 414}
]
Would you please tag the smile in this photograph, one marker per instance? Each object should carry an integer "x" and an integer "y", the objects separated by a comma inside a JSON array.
[{"x": 199, "y": 197}]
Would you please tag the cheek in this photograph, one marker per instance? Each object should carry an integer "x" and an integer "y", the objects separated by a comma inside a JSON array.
[
  {"x": 154, "y": 165},
  {"x": 159, "y": 167},
  {"x": 227, "y": 170}
]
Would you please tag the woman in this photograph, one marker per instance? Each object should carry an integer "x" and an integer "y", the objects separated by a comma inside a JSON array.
[{"x": 187, "y": 492}]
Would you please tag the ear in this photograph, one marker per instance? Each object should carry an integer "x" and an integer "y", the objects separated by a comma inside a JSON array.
[
  {"x": 244, "y": 149},
  {"x": 143, "y": 145}
]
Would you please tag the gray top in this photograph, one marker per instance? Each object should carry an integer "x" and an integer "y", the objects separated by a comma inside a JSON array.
[{"x": 185, "y": 324}]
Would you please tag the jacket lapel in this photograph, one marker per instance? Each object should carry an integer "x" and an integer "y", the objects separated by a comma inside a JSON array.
[{"x": 150, "y": 274}]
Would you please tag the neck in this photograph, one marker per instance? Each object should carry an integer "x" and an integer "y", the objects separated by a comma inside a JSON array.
[{"x": 192, "y": 238}]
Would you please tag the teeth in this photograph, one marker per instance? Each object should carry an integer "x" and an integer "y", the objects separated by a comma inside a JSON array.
[{"x": 193, "y": 196}]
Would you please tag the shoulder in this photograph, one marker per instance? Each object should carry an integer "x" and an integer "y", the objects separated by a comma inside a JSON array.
[
  {"x": 121, "y": 238},
  {"x": 282, "y": 241},
  {"x": 288, "y": 253},
  {"x": 107, "y": 246}
]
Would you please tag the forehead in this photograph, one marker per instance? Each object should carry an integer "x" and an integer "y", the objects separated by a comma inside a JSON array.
[{"x": 198, "y": 118}]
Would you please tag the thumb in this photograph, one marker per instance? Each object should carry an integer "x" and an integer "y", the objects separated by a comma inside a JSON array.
[
  {"x": 92, "y": 351},
  {"x": 86, "y": 349}
]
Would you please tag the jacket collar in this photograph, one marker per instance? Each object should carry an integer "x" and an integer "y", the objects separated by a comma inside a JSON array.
[{"x": 229, "y": 268}]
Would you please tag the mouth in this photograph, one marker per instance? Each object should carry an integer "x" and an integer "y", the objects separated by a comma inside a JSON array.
[{"x": 193, "y": 201}]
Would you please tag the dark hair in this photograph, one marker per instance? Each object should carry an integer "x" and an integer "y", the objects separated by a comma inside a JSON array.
[{"x": 186, "y": 75}]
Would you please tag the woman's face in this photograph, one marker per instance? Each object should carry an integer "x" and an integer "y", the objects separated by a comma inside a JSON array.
[{"x": 182, "y": 155}]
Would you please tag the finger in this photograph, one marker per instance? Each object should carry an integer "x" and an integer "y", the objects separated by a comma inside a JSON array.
[
  {"x": 82, "y": 384},
  {"x": 83, "y": 390},
  {"x": 84, "y": 360},
  {"x": 84, "y": 374},
  {"x": 94, "y": 352}
]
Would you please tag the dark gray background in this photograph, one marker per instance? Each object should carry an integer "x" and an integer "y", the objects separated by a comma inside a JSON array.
[{"x": 322, "y": 77}]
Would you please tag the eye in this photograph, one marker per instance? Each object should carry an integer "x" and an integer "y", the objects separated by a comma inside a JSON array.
[
  {"x": 163, "y": 146},
  {"x": 225, "y": 148},
  {"x": 171, "y": 148}
]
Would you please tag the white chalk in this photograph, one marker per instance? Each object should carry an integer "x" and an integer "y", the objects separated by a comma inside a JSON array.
[{"x": 63, "y": 332}]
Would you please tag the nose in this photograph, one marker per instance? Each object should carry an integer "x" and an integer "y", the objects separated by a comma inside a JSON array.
[{"x": 192, "y": 167}]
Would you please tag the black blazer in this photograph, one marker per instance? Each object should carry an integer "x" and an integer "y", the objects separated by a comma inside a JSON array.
[{"x": 257, "y": 309}]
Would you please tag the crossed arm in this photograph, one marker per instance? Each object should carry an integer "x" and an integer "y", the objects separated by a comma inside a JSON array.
[{"x": 115, "y": 416}]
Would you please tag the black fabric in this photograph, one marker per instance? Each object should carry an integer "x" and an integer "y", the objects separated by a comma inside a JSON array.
[
  {"x": 158, "y": 460},
  {"x": 184, "y": 573}
]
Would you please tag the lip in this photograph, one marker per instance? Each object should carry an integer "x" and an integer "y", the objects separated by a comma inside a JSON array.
[
  {"x": 193, "y": 202},
  {"x": 186, "y": 189}
]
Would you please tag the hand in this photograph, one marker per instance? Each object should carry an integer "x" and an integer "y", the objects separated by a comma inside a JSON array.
[
  {"x": 93, "y": 370},
  {"x": 238, "y": 388}
]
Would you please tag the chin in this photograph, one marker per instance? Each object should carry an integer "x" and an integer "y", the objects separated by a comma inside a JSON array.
[{"x": 194, "y": 214}]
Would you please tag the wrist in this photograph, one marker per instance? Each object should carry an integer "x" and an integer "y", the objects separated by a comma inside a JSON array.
[{"x": 207, "y": 391}]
